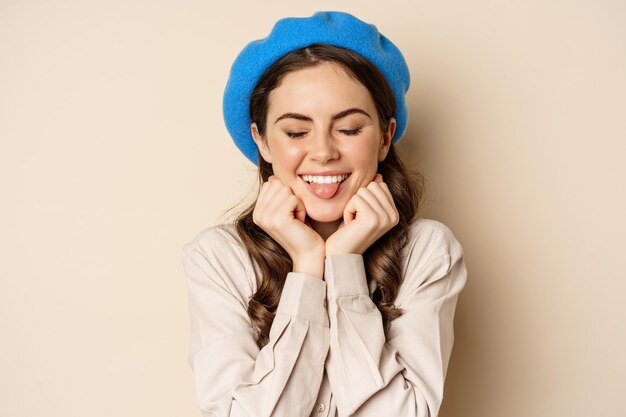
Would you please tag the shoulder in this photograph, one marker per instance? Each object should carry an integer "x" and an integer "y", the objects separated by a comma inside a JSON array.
[
  {"x": 221, "y": 237},
  {"x": 430, "y": 239},
  {"x": 432, "y": 253},
  {"x": 217, "y": 253}
]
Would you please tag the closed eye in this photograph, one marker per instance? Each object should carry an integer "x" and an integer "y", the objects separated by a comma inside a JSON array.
[
  {"x": 351, "y": 132},
  {"x": 347, "y": 132},
  {"x": 295, "y": 135}
]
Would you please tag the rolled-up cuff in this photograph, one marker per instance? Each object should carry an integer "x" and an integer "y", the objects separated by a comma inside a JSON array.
[
  {"x": 345, "y": 275},
  {"x": 304, "y": 296}
]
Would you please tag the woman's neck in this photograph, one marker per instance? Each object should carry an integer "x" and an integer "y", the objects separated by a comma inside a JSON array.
[{"x": 324, "y": 229}]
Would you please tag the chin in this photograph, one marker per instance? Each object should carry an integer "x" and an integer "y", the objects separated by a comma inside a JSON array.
[{"x": 320, "y": 214}]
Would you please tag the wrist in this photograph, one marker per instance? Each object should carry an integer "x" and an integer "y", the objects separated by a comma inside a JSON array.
[
  {"x": 315, "y": 270},
  {"x": 312, "y": 264}
]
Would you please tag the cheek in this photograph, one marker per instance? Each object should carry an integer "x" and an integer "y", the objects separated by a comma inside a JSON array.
[
  {"x": 287, "y": 157},
  {"x": 363, "y": 155},
  {"x": 292, "y": 151},
  {"x": 364, "y": 161}
]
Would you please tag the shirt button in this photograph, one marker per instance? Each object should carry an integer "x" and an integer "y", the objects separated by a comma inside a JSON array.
[{"x": 321, "y": 407}]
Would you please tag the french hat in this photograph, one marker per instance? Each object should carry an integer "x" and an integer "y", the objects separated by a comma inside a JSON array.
[{"x": 288, "y": 34}]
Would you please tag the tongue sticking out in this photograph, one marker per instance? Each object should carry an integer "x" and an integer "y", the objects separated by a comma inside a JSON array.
[{"x": 325, "y": 190}]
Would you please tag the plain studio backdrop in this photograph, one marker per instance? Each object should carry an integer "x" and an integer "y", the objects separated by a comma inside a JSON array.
[{"x": 113, "y": 154}]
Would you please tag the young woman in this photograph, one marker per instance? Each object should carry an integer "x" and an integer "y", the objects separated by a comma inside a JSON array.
[{"x": 328, "y": 296}]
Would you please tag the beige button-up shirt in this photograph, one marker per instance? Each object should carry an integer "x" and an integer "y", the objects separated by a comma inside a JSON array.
[{"x": 327, "y": 354}]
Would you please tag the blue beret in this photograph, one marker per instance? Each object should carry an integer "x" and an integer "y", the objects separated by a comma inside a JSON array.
[{"x": 288, "y": 34}]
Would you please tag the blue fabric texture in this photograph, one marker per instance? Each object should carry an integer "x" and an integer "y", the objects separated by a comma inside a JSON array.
[{"x": 291, "y": 33}]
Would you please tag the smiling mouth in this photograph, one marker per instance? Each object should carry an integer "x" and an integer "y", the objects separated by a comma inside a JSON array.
[
  {"x": 324, "y": 186},
  {"x": 324, "y": 179}
]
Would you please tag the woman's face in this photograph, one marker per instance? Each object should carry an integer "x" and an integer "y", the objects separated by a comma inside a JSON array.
[{"x": 322, "y": 122}]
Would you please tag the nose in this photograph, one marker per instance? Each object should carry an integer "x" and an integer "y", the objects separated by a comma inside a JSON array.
[{"x": 323, "y": 148}]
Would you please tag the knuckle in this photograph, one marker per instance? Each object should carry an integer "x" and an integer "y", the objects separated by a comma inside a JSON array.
[{"x": 281, "y": 192}]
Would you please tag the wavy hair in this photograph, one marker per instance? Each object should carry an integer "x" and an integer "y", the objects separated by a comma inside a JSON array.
[{"x": 383, "y": 258}]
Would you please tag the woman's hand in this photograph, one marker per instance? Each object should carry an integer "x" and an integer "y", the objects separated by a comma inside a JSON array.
[
  {"x": 369, "y": 214},
  {"x": 282, "y": 215}
]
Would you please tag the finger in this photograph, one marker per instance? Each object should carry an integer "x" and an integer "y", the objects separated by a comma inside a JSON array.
[
  {"x": 373, "y": 200},
  {"x": 261, "y": 198},
  {"x": 356, "y": 205},
  {"x": 276, "y": 200},
  {"x": 300, "y": 211},
  {"x": 267, "y": 194},
  {"x": 274, "y": 185},
  {"x": 391, "y": 208},
  {"x": 378, "y": 179},
  {"x": 284, "y": 204},
  {"x": 349, "y": 211},
  {"x": 381, "y": 190}
]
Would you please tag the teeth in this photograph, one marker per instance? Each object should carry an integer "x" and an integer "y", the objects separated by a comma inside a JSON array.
[{"x": 325, "y": 179}]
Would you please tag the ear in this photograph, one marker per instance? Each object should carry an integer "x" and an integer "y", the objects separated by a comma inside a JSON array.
[
  {"x": 386, "y": 142},
  {"x": 261, "y": 143}
]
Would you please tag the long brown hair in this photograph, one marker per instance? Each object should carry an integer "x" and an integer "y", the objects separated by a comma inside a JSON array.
[{"x": 383, "y": 258}]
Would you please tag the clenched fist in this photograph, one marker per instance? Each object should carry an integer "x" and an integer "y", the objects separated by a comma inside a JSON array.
[
  {"x": 369, "y": 214},
  {"x": 282, "y": 215}
]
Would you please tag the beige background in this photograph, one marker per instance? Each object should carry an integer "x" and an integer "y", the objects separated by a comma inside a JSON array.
[{"x": 113, "y": 153}]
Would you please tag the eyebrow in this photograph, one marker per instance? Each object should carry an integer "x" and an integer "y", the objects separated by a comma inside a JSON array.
[{"x": 339, "y": 115}]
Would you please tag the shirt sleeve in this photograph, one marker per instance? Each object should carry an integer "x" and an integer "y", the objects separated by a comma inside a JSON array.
[
  {"x": 405, "y": 374},
  {"x": 233, "y": 377}
]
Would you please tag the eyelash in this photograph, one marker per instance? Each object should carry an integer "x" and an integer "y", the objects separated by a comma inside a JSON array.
[{"x": 347, "y": 132}]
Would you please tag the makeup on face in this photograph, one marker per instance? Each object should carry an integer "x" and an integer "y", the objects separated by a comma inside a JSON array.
[{"x": 323, "y": 135}]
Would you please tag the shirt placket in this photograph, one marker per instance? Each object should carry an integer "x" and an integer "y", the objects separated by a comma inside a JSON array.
[{"x": 323, "y": 404}]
